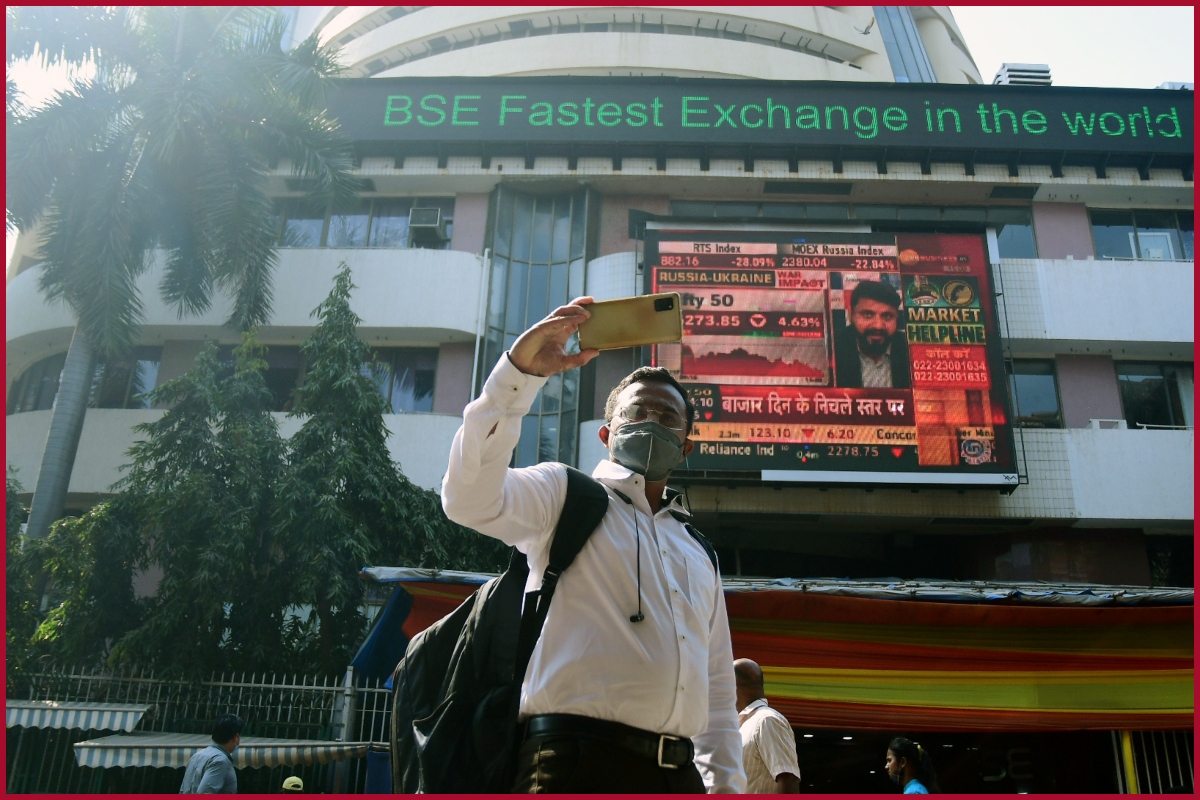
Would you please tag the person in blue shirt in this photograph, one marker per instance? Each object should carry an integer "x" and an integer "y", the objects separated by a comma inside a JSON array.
[
  {"x": 210, "y": 771},
  {"x": 909, "y": 766}
]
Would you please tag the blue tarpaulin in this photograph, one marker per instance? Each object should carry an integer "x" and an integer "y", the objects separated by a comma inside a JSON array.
[{"x": 386, "y": 643}]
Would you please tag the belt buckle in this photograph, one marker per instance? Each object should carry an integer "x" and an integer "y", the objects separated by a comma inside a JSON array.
[{"x": 662, "y": 739}]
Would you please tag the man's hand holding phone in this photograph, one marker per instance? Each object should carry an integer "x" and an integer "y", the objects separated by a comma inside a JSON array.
[{"x": 542, "y": 350}]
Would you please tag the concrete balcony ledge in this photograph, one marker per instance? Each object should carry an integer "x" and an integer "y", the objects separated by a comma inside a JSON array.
[
  {"x": 432, "y": 294},
  {"x": 1098, "y": 300},
  {"x": 419, "y": 443}
]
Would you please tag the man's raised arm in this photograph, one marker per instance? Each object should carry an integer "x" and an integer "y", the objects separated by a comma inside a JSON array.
[{"x": 479, "y": 489}]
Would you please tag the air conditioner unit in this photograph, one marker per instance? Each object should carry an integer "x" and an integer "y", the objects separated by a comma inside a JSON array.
[{"x": 426, "y": 226}]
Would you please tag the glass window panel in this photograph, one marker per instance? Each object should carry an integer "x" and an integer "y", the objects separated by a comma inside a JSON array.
[
  {"x": 1113, "y": 234},
  {"x": 145, "y": 378},
  {"x": 1035, "y": 394},
  {"x": 579, "y": 212},
  {"x": 875, "y": 212},
  {"x": 783, "y": 210},
  {"x": 1158, "y": 237},
  {"x": 562, "y": 230},
  {"x": 509, "y": 339},
  {"x": 502, "y": 242},
  {"x": 413, "y": 373},
  {"x": 522, "y": 222},
  {"x": 568, "y": 433},
  {"x": 303, "y": 226},
  {"x": 45, "y": 391},
  {"x": 570, "y": 389},
  {"x": 1016, "y": 241},
  {"x": 548, "y": 440},
  {"x": 539, "y": 285},
  {"x": 514, "y": 314},
  {"x": 496, "y": 292},
  {"x": 379, "y": 372},
  {"x": 826, "y": 211},
  {"x": 491, "y": 353},
  {"x": 1187, "y": 234},
  {"x": 691, "y": 208},
  {"x": 389, "y": 227},
  {"x": 527, "y": 445},
  {"x": 736, "y": 209},
  {"x": 446, "y": 204},
  {"x": 552, "y": 395},
  {"x": 1144, "y": 394},
  {"x": 348, "y": 226},
  {"x": 558, "y": 286},
  {"x": 543, "y": 221},
  {"x": 921, "y": 213},
  {"x": 575, "y": 279},
  {"x": 110, "y": 384},
  {"x": 1007, "y": 216},
  {"x": 965, "y": 214}
]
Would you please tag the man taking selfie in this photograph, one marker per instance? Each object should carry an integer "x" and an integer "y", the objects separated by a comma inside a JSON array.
[{"x": 630, "y": 687}]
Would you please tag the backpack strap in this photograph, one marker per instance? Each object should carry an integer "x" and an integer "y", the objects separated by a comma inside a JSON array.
[
  {"x": 583, "y": 509},
  {"x": 700, "y": 538}
]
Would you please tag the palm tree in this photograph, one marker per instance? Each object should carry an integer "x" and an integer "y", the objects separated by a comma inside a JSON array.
[{"x": 167, "y": 149}]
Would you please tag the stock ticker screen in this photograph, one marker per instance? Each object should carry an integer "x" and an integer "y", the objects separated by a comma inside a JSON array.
[{"x": 838, "y": 358}]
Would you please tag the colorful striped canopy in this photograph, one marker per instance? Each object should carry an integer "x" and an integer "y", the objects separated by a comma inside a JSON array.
[
  {"x": 176, "y": 749},
  {"x": 860, "y": 663},
  {"x": 84, "y": 716}
]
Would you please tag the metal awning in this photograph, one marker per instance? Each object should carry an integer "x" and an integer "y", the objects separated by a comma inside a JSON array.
[
  {"x": 84, "y": 716},
  {"x": 175, "y": 749}
]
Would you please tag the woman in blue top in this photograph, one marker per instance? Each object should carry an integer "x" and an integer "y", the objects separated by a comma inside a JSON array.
[{"x": 909, "y": 765}]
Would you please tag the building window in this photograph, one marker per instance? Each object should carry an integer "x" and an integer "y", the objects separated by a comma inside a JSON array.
[
  {"x": 37, "y": 388},
  {"x": 1013, "y": 224},
  {"x": 121, "y": 383},
  {"x": 367, "y": 223},
  {"x": 1034, "y": 390},
  {"x": 284, "y": 372},
  {"x": 405, "y": 377},
  {"x": 1148, "y": 235},
  {"x": 539, "y": 245},
  {"x": 125, "y": 382},
  {"x": 1150, "y": 393},
  {"x": 905, "y": 49}
]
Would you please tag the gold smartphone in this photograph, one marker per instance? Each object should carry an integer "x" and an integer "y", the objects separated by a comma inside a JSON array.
[{"x": 632, "y": 322}]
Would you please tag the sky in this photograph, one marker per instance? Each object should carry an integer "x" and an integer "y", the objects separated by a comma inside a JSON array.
[{"x": 1112, "y": 46}]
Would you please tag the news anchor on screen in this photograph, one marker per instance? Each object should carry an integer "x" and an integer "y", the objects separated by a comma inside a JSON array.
[{"x": 871, "y": 351}]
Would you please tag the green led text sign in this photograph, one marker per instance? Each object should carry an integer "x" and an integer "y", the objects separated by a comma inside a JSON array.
[{"x": 775, "y": 113}]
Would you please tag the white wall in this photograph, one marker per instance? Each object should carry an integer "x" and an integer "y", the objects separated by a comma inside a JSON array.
[
  {"x": 1101, "y": 301},
  {"x": 429, "y": 296},
  {"x": 613, "y": 276},
  {"x": 1132, "y": 475},
  {"x": 419, "y": 443}
]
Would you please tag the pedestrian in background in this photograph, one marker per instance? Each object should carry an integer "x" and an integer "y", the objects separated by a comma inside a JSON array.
[
  {"x": 211, "y": 771},
  {"x": 768, "y": 743},
  {"x": 909, "y": 765}
]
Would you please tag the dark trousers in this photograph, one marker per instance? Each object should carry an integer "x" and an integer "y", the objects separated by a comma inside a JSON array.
[{"x": 563, "y": 764}]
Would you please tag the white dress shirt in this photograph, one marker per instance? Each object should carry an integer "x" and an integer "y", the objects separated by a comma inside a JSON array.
[
  {"x": 671, "y": 673},
  {"x": 768, "y": 747}
]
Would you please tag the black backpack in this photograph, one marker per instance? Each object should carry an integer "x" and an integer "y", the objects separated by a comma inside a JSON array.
[{"x": 457, "y": 690}]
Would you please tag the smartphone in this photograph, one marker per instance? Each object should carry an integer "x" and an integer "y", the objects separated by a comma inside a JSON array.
[{"x": 632, "y": 322}]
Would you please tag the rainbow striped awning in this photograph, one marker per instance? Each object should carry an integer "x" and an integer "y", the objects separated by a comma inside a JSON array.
[
  {"x": 966, "y": 657},
  {"x": 176, "y": 749},
  {"x": 84, "y": 716}
]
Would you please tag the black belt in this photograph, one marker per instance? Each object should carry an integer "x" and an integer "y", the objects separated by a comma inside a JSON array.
[{"x": 669, "y": 752}]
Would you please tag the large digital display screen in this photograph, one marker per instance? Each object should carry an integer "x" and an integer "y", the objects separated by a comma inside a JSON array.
[{"x": 838, "y": 358}]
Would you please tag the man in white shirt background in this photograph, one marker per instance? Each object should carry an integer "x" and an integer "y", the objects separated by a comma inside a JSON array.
[
  {"x": 768, "y": 743},
  {"x": 630, "y": 687}
]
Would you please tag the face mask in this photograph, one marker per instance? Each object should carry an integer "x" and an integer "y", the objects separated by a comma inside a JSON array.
[{"x": 647, "y": 448}]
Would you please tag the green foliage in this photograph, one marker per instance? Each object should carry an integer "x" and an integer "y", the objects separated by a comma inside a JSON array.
[
  {"x": 202, "y": 482},
  {"x": 344, "y": 504},
  {"x": 21, "y": 617},
  {"x": 258, "y": 541}
]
